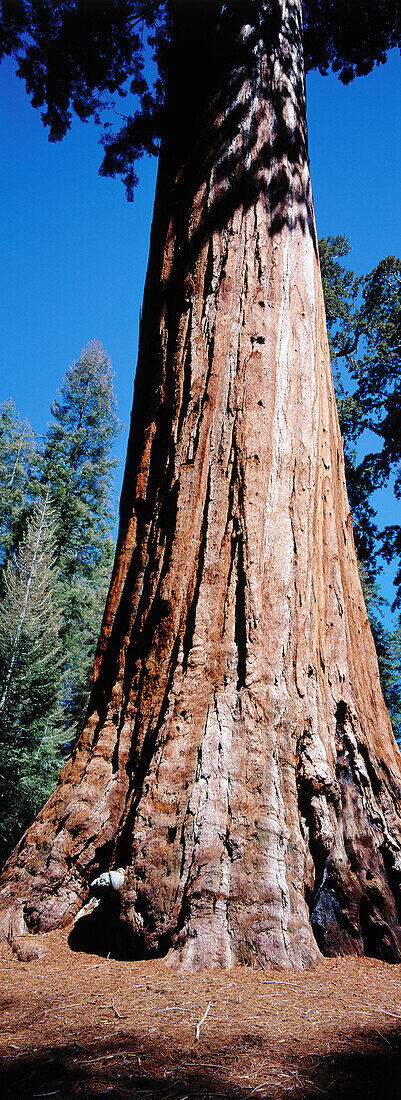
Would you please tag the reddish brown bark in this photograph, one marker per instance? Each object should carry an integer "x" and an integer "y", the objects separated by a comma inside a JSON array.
[{"x": 238, "y": 760}]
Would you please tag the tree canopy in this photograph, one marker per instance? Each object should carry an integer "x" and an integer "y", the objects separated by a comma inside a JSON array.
[{"x": 77, "y": 57}]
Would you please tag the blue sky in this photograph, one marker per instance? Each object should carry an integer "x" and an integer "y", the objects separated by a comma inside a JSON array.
[{"x": 74, "y": 252}]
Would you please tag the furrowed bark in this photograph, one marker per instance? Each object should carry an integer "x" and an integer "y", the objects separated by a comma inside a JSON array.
[{"x": 238, "y": 761}]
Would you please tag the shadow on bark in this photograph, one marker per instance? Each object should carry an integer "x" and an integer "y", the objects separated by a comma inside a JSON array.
[
  {"x": 213, "y": 130},
  {"x": 235, "y": 139},
  {"x": 352, "y": 898},
  {"x": 212, "y": 144}
]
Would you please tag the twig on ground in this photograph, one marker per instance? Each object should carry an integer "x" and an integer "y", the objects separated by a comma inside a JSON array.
[
  {"x": 266, "y": 1084},
  {"x": 288, "y": 985},
  {"x": 376, "y": 1029},
  {"x": 161, "y": 1011},
  {"x": 90, "y": 1061},
  {"x": 96, "y": 966},
  {"x": 55, "y": 1092},
  {"x": 199, "y": 1025},
  {"x": 120, "y": 1017},
  {"x": 378, "y": 1008}
]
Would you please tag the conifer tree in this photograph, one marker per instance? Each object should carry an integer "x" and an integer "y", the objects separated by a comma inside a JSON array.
[
  {"x": 76, "y": 464},
  {"x": 30, "y": 675},
  {"x": 65, "y": 573},
  {"x": 17, "y": 455},
  {"x": 364, "y": 325},
  {"x": 378, "y": 375}
]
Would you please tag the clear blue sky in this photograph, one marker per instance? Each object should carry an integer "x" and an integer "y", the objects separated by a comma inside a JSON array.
[{"x": 74, "y": 252}]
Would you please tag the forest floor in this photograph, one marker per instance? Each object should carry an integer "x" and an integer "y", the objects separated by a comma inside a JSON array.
[{"x": 78, "y": 1025}]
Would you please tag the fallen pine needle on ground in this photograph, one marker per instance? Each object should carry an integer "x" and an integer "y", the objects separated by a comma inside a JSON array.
[{"x": 76, "y": 1025}]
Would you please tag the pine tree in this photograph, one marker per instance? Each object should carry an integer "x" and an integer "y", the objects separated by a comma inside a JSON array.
[
  {"x": 30, "y": 674},
  {"x": 17, "y": 460},
  {"x": 44, "y": 692},
  {"x": 76, "y": 464}
]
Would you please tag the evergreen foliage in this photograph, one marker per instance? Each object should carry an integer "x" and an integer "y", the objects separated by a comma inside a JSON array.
[
  {"x": 30, "y": 677},
  {"x": 364, "y": 324},
  {"x": 57, "y": 547},
  {"x": 378, "y": 376},
  {"x": 75, "y": 463},
  {"x": 84, "y": 57},
  {"x": 17, "y": 456}
]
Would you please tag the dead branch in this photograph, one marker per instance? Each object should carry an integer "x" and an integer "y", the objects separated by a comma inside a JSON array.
[{"x": 199, "y": 1025}]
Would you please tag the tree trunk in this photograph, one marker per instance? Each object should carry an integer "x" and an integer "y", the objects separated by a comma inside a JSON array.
[{"x": 238, "y": 761}]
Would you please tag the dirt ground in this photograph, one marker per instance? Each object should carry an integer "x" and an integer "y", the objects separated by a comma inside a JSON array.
[{"x": 79, "y": 1025}]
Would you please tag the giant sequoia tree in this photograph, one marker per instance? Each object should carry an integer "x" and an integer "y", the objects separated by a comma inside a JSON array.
[{"x": 237, "y": 761}]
